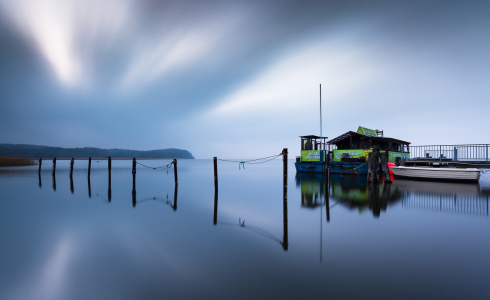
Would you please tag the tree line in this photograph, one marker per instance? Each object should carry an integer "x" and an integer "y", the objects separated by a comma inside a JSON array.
[{"x": 34, "y": 151}]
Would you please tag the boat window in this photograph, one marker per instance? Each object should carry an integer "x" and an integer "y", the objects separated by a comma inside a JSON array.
[
  {"x": 307, "y": 145},
  {"x": 355, "y": 146}
]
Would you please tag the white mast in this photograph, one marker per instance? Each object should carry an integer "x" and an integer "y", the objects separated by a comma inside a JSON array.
[{"x": 321, "y": 136}]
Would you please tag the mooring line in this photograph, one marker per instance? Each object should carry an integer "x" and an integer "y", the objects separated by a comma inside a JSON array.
[
  {"x": 154, "y": 168},
  {"x": 243, "y": 162}
]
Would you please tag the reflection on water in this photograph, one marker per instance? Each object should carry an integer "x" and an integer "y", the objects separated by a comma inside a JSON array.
[
  {"x": 430, "y": 235},
  {"x": 355, "y": 193}
]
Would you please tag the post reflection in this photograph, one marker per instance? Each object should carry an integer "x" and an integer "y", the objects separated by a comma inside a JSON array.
[
  {"x": 173, "y": 204},
  {"x": 215, "y": 217},
  {"x": 89, "y": 189},
  {"x": 72, "y": 188},
  {"x": 241, "y": 224},
  {"x": 54, "y": 181},
  {"x": 176, "y": 191},
  {"x": 40, "y": 183}
]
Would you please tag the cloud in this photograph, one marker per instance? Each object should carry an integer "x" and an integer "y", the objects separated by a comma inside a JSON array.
[
  {"x": 294, "y": 79},
  {"x": 65, "y": 31}
]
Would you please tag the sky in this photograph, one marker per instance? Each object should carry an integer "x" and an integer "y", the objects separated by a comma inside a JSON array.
[{"x": 240, "y": 79}]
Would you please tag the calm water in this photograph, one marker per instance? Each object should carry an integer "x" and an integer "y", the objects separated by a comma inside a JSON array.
[{"x": 410, "y": 240}]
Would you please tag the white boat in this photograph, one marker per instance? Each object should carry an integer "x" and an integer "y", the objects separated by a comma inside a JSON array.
[{"x": 449, "y": 174}]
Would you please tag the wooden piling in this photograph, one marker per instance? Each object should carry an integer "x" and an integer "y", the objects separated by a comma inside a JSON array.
[
  {"x": 215, "y": 219},
  {"x": 40, "y": 163},
  {"x": 54, "y": 165},
  {"x": 89, "y": 167},
  {"x": 109, "y": 191},
  {"x": 373, "y": 165},
  {"x": 134, "y": 175},
  {"x": 385, "y": 168},
  {"x": 285, "y": 244},
  {"x": 175, "y": 172},
  {"x": 134, "y": 182},
  {"x": 215, "y": 161}
]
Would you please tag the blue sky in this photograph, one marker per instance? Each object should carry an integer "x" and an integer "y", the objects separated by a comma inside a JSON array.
[{"x": 240, "y": 79}]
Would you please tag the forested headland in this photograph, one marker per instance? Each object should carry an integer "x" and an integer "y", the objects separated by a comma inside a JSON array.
[{"x": 34, "y": 151}]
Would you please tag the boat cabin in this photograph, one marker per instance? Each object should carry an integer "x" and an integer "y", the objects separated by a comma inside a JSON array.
[
  {"x": 313, "y": 142},
  {"x": 358, "y": 145}
]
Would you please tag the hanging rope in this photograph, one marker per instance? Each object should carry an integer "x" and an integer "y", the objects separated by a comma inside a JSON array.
[
  {"x": 253, "y": 161},
  {"x": 154, "y": 168}
]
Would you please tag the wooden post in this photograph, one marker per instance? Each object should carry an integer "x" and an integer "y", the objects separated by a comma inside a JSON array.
[
  {"x": 285, "y": 244},
  {"x": 215, "y": 218},
  {"x": 373, "y": 165},
  {"x": 215, "y": 161},
  {"x": 40, "y": 163},
  {"x": 385, "y": 168},
  {"x": 109, "y": 192},
  {"x": 89, "y": 167},
  {"x": 54, "y": 165},
  {"x": 134, "y": 182},
  {"x": 175, "y": 172},
  {"x": 71, "y": 166}
]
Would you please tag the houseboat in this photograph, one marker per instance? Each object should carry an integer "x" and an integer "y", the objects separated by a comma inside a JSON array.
[{"x": 349, "y": 151}]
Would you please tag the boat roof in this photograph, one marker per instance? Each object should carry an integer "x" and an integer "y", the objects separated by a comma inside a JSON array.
[
  {"x": 313, "y": 137},
  {"x": 348, "y": 134}
]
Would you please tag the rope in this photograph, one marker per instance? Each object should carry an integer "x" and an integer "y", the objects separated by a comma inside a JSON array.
[
  {"x": 154, "y": 168},
  {"x": 257, "y": 160}
]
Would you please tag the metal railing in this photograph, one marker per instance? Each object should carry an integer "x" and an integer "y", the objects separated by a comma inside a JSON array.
[{"x": 455, "y": 152}]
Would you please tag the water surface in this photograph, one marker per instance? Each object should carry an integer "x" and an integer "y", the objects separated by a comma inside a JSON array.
[{"x": 71, "y": 239}]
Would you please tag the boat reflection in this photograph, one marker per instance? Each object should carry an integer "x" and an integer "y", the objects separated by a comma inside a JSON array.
[
  {"x": 355, "y": 193},
  {"x": 461, "y": 198}
]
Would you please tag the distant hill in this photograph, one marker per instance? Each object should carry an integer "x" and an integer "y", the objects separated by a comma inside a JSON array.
[{"x": 33, "y": 151}]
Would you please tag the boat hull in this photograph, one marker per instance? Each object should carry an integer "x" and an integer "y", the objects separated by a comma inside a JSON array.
[
  {"x": 335, "y": 167},
  {"x": 439, "y": 174}
]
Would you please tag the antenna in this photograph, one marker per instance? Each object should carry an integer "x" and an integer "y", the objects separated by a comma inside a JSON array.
[{"x": 321, "y": 135}]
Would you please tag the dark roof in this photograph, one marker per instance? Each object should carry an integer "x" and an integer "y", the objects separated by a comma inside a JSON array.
[
  {"x": 352, "y": 133},
  {"x": 313, "y": 137}
]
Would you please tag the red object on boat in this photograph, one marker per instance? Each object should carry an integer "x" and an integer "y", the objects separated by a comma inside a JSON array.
[{"x": 390, "y": 164}]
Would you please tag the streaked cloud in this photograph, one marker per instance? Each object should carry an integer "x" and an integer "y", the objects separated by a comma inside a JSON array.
[
  {"x": 66, "y": 31},
  {"x": 289, "y": 82}
]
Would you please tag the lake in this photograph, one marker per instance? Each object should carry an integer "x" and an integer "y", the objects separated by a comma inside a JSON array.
[{"x": 71, "y": 239}]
